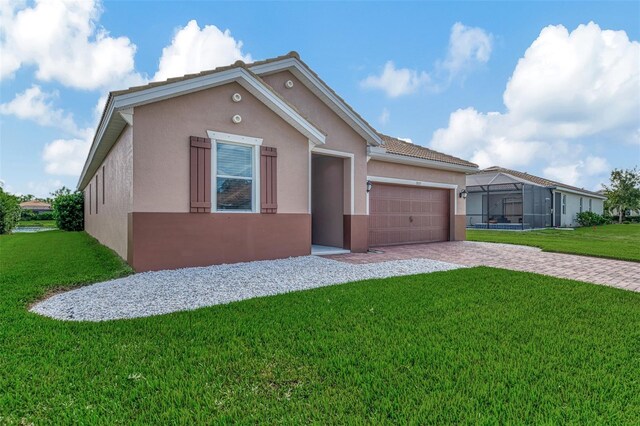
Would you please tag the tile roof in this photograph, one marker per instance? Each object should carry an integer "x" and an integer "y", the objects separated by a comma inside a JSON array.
[
  {"x": 34, "y": 204},
  {"x": 399, "y": 147},
  {"x": 393, "y": 145},
  {"x": 537, "y": 179}
]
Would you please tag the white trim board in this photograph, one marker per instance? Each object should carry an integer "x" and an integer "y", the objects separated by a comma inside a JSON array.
[
  {"x": 408, "y": 182},
  {"x": 111, "y": 124},
  {"x": 351, "y": 157},
  {"x": 313, "y": 83}
]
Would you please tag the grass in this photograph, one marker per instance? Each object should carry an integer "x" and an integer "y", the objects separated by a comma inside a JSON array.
[
  {"x": 475, "y": 345},
  {"x": 611, "y": 241},
  {"x": 37, "y": 223}
]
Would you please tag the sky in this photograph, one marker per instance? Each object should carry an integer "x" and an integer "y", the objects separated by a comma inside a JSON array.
[{"x": 551, "y": 89}]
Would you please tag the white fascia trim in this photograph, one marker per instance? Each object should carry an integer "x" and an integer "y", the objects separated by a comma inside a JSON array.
[
  {"x": 419, "y": 162},
  {"x": 127, "y": 116},
  {"x": 584, "y": 194},
  {"x": 126, "y": 102},
  {"x": 407, "y": 182},
  {"x": 109, "y": 108},
  {"x": 228, "y": 137},
  {"x": 294, "y": 63},
  {"x": 351, "y": 157},
  {"x": 242, "y": 76}
]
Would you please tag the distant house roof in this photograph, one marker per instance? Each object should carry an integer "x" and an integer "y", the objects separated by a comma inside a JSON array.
[
  {"x": 536, "y": 180},
  {"x": 35, "y": 205},
  {"x": 400, "y": 147}
]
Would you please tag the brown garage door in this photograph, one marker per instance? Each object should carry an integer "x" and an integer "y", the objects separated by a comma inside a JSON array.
[{"x": 407, "y": 214}]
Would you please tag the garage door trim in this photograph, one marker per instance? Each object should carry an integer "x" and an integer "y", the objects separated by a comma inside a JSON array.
[{"x": 419, "y": 183}]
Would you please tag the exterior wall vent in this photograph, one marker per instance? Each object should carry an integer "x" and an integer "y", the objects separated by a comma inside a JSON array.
[
  {"x": 288, "y": 84},
  {"x": 237, "y": 97},
  {"x": 236, "y": 119}
]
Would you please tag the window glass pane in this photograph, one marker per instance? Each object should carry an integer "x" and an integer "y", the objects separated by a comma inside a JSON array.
[
  {"x": 234, "y": 160},
  {"x": 234, "y": 194}
]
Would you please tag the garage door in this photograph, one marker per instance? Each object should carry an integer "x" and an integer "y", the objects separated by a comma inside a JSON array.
[{"x": 406, "y": 214}]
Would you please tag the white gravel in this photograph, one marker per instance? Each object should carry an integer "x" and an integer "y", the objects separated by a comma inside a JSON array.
[{"x": 155, "y": 293}]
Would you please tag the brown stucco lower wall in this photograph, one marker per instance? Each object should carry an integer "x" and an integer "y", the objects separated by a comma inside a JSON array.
[
  {"x": 460, "y": 230},
  {"x": 178, "y": 240},
  {"x": 356, "y": 233}
]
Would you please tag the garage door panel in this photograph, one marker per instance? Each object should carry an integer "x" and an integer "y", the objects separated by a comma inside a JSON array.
[{"x": 404, "y": 214}]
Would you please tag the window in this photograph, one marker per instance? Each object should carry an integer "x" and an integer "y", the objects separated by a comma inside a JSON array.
[
  {"x": 590, "y": 206},
  {"x": 580, "y": 204},
  {"x": 564, "y": 204},
  {"x": 234, "y": 174}
]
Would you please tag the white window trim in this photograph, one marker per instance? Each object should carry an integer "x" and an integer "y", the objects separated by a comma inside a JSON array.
[
  {"x": 232, "y": 139},
  {"x": 339, "y": 154},
  {"x": 407, "y": 182}
]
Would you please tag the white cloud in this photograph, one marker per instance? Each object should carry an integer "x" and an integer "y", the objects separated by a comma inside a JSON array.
[
  {"x": 65, "y": 43},
  {"x": 468, "y": 47},
  {"x": 397, "y": 81},
  {"x": 385, "y": 115},
  {"x": 43, "y": 189},
  {"x": 65, "y": 156},
  {"x": 408, "y": 140},
  {"x": 35, "y": 105},
  {"x": 194, "y": 49},
  {"x": 567, "y": 90}
]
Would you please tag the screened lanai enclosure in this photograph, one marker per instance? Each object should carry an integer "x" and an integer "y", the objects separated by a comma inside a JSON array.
[{"x": 500, "y": 201}]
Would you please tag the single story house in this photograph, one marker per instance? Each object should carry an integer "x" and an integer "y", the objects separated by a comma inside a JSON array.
[
  {"x": 36, "y": 206},
  {"x": 500, "y": 198},
  {"x": 258, "y": 161}
]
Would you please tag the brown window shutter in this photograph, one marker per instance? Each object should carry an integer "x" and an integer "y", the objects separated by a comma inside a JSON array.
[
  {"x": 268, "y": 179},
  {"x": 200, "y": 175}
]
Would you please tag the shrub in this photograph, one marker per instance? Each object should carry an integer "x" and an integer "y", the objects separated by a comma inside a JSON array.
[
  {"x": 590, "y": 219},
  {"x": 27, "y": 215},
  {"x": 43, "y": 216},
  {"x": 9, "y": 211},
  {"x": 68, "y": 211}
]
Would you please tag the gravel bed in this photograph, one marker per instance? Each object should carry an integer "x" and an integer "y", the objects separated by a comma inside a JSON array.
[{"x": 162, "y": 292}]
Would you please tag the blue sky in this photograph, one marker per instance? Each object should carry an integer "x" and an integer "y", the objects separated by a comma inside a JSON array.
[{"x": 434, "y": 72}]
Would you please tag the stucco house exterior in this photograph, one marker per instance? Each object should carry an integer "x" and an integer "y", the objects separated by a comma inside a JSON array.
[
  {"x": 499, "y": 198},
  {"x": 258, "y": 161}
]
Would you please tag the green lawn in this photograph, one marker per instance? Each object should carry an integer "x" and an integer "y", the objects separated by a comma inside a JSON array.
[
  {"x": 613, "y": 241},
  {"x": 475, "y": 345},
  {"x": 36, "y": 223}
]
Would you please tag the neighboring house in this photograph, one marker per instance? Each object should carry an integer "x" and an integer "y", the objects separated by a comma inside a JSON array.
[
  {"x": 258, "y": 161},
  {"x": 499, "y": 198},
  {"x": 36, "y": 206}
]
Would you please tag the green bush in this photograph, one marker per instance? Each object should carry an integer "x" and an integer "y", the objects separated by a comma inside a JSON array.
[
  {"x": 68, "y": 211},
  {"x": 9, "y": 211},
  {"x": 44, "y": 216},
  {"x": 591, "y": 219},
  {"x": 27, "y": 215}
]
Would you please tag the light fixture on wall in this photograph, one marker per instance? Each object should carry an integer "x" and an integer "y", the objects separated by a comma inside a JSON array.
[
  {"x": 369, "y": 185},
  {"x": 237, "y": 97},
  {"x": 288, "y": 84},
  {"x": 236, "y": 119},
  {"x": 463, "y": 194}
]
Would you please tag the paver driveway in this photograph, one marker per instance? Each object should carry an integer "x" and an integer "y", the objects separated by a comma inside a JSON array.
[{"x": 614, "y": 273}]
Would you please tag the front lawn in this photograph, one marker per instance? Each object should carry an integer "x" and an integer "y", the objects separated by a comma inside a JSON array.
[
  {"x": 474, "y": 345},
  {"x": 612, "y": 241}
]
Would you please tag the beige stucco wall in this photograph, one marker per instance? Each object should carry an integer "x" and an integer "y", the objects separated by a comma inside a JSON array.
[
  {"x": 161, "y": 147},
  {"x": 109, "y": 224},
  {"x": 401, "y": 171},
  {"x": 339, "y": 135}
]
